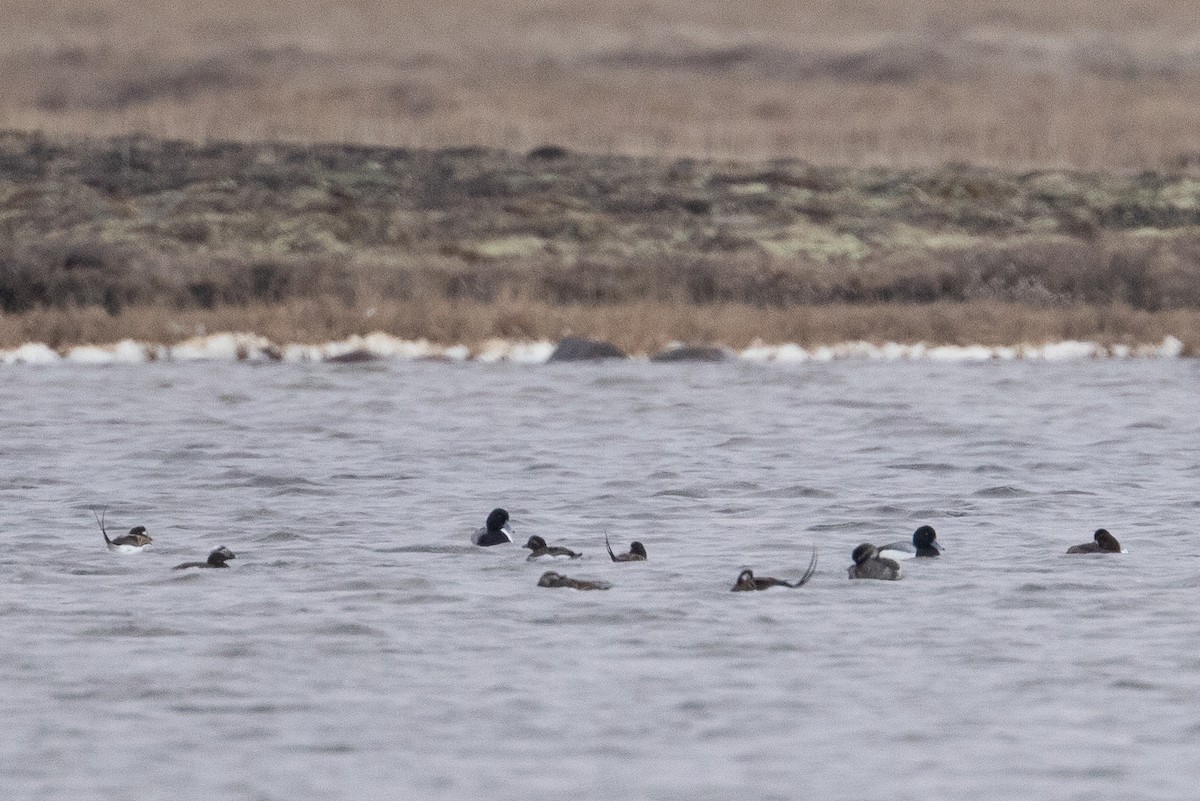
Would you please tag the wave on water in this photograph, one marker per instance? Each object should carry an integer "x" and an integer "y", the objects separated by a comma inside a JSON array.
[{"x": 230, "y": 347}]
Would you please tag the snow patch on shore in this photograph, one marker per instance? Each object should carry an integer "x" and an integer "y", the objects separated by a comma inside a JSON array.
[{"x": 235, "y": 346}]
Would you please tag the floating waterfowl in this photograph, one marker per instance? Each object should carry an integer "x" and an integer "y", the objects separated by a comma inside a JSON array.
[
  {"x": 637, "y": 552},
  {"x": 868, "y": 564},
  {"x": 924, "y": 544},
  {"x": 552, "y": 579},
  {"x": 747, "y": 581},
  {"x": 133, "y": 542},
  {"x": 217, "y": 558},
  {"x": 495, "y": 531},
  {"x": 540, "y": 550},
  {"x": 1104, "y": 543}
]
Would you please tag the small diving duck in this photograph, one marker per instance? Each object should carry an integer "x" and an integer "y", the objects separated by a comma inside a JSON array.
[
  {"x": 495, "y": 531},
  {"x": 133, "y": 542},
  {"x": 637, "y": 552},
  {"x": 540, "y": 550},
  {"x": 217, "y": 558},
  {"x": 1104, "y": 543},
  {"x": 868, "y": 564},
  {"x": 747, "y": 581},
  {"x": 552, "y": 579},
  {"x": 924, "y": 543}
]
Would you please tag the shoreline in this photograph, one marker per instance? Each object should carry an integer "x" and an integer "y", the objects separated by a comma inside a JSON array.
[
  {"x": 154, "y": 240},
  {"x": 378, "y": 347},
  {"x": 642, "y": 328},
  {"x": 311, "y": 331}
]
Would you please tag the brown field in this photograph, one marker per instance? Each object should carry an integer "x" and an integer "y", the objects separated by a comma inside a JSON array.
[
  {"x": 637, "y": 327},
  {"x": 1020, "y": 84},
  {"x": 938, "y": 170}
]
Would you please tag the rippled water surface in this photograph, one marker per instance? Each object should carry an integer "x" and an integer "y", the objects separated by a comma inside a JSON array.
[{"x": 359, "y": 647}]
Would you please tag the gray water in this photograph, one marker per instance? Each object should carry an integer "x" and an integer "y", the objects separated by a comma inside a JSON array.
[{"x": 359, "y": 647}]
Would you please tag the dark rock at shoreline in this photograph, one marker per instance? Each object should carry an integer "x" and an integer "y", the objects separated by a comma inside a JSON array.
[
  {"x": 354, "y": 357},
  {"x": 577, "y": 349},
  {"x": 692, "y": 353},
  {"x": 548, "y": 153}
]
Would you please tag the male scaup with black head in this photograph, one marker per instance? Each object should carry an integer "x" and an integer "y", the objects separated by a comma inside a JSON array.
[
  {"x": 924, "y": 544},
  {"x": 1104, "y": 543},
  {"x": 540, "y": 550},
  {"x": 637, "y": 552},
  {"x": 495, "y": 532},
  {"x": 552, "y": 579},
  {"x": 747, "y": 581},
  {"x": 133, "y": 542},
  {"x": 217, "y": 558},
  {"x": 868, "y": 565}
]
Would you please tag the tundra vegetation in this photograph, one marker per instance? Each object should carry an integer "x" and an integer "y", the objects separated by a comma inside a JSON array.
[
  {"x": 928, "y": 170},
  {"x": 147, "y": 238}
]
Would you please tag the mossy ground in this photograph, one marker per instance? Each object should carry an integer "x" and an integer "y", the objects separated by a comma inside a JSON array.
[{"x": 138, "y": 228}]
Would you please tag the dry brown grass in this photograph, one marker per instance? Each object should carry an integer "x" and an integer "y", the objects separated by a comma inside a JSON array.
[
  {"x": 1098, "y": 84},
  {"x": 149, "y": 238},
  {"x": 638, "y": 327}
]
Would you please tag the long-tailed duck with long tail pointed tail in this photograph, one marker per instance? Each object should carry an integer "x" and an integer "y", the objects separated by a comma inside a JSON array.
[
  {"x": 133, "y": 542},
  {"x": 495, "y": 531},
  {"x": 217, "y": 558},
  {"x": 747, "y": 581},
  {"x": 637, "y": 552}
]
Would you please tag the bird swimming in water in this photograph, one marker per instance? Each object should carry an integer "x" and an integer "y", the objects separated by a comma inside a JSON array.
[
  {"x": 747, "y": 581},
  {"x": 868, "y": 565},
  {"x": 133, "y": 542},
  {"x": 1104, "y": 543},
  {"x": 540, "y": 550},
  {"x": 217, "y": 558},
  {"x": 637, "y": 552},
  {"x": 495, "y": 531},
  {"x": 924, "y": 544},
  {"x": 552, "y": 579}
]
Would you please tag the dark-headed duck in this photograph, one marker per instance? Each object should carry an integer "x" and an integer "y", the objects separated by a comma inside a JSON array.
[
  {"x": 496, "y": 531},
  {"x": 217, "y": 558},
  {"x": 868, "y": 564},
  {"x": 540, "y": 550},
  {"x": 637, "y": 552},
  {"x": 924, "y": 543},
  {"x": 134, "y": 541},
  {"x": 552, "y": 579},
  {"x": 747, "y": 581},
  {"x": 1104, "y": 543}
]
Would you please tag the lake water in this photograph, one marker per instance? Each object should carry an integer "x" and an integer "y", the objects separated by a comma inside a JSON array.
[{"x": 359, "y": 647}]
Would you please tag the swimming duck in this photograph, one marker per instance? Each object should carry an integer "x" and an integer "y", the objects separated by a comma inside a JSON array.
[
  {"x": 543, "y": 551},
  {"x": 637, "y": 552},
  {"x": 133, "y": 542},
  {"x": 747, "y": 581},
  {"x": 495, "y": 531},
  {"x": 216, "y": 558},
  {"x": 924, "y": 543},
  {"x": 868, "y": 564},
  {"x": 1104, "y": 543},
  {"x": 552, "y": 579}
]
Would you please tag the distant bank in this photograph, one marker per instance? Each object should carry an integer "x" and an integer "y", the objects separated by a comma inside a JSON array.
[
  {"x": 378, "y": 347},
  {"x": 151, "y": 240}
]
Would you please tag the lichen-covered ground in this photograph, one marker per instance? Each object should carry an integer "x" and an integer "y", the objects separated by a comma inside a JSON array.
[{"x": 151, "y": 238}]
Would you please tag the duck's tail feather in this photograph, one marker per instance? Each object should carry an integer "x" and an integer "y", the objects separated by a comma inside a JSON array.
[
  {"x": 100, "y": 520},
  {"x": 812, "y": 570}
]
